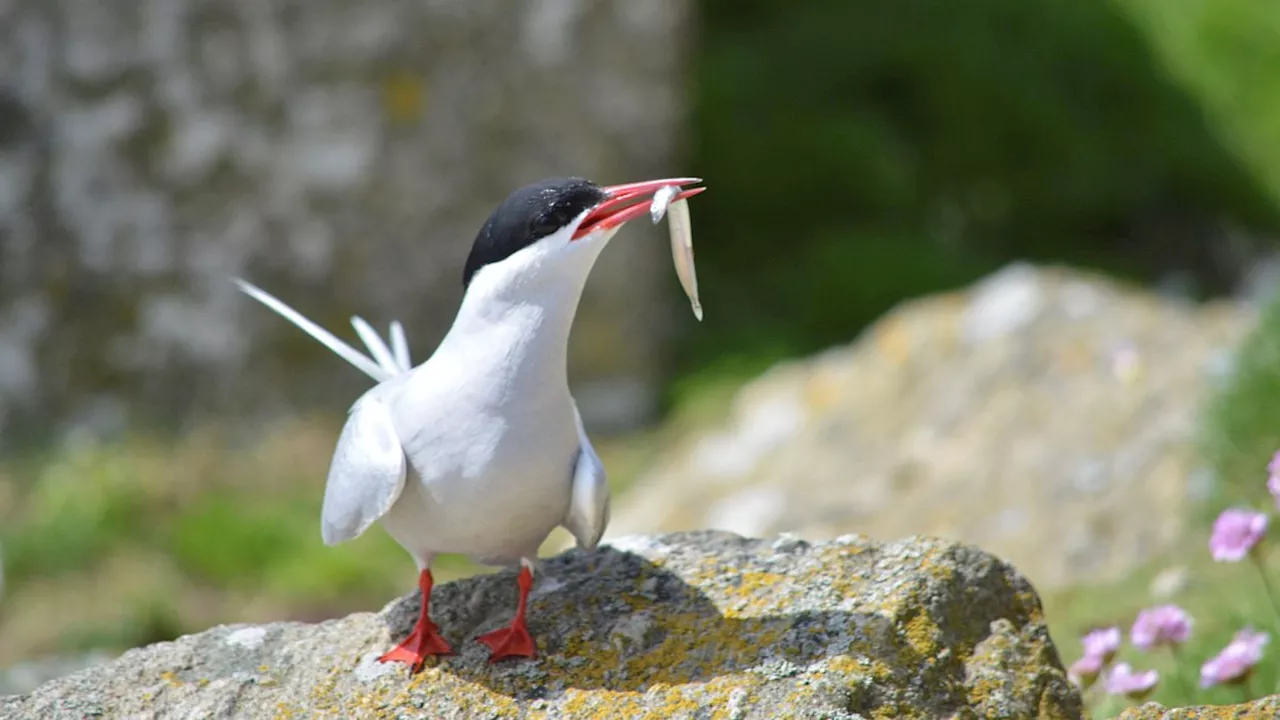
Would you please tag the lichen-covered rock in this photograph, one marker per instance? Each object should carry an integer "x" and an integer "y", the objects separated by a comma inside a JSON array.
[
  {"x": 697, "y": 625},
  {"x": 342, "y": 154},
  {"x": 1029, "y": 415},
  {"x": 1267, "y": 708}
]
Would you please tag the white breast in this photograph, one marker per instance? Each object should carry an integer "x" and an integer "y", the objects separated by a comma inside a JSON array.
[
  {"x": 488, "y": 424},
  {"x": 491, "y": 442}
]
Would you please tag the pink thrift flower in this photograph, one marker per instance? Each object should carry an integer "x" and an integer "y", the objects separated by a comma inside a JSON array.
[
  {"x": 1102, "y": 643},
  {"x": 1122, "y": 680},
  {"x": 1273, "y": 482},
  {"x": 1161, "y": 625},
  {"x": 1235, "y": 532},
  {"x": 1085, "y": 670},
  {"x": 1236, "y": 660}
]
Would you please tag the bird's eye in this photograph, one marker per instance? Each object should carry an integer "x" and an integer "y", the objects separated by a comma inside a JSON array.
[
  {"x": 542, "y": 226},
  {"x": 546, "y": 223}
]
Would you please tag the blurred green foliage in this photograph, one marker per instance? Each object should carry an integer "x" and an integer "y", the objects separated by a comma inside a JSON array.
[
  {"x": 859, "y": 153},
  {"x": 1224, "y": 54},
  {"x": 1241, "y": 425},
  {"x": 79, "y": 509},
  {"x": 173, "y": 536}
]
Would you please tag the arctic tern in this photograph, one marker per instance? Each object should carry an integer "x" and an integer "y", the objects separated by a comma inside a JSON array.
[{"x": 480, "y": 450}]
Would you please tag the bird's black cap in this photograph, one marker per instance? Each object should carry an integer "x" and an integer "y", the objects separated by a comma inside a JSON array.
[{"x": 528, "y": 215}]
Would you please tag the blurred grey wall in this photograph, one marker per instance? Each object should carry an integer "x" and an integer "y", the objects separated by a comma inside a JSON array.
[{"x": 340, "y": 153}]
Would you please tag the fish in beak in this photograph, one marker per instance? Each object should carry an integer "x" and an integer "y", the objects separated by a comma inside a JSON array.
[{"x": 630, "y": 201}]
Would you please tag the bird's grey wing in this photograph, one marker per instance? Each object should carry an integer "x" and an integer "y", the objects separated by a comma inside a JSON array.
[
  {"x": 367, "y": 473},
  {"x": 589, "y": 501}
]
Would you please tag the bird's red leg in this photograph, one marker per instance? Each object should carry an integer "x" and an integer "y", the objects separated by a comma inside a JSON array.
[
  {"x": 425, "y": 638},
  {"x": 513, "y": 640}
]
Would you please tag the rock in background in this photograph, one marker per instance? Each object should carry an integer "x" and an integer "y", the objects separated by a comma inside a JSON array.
[
  {"x": 343, "y": 155},
  {"x": 683, "y": 626},
  {"x": 1045, "y": 415}
]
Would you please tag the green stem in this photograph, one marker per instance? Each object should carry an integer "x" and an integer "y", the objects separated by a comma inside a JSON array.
[
  {"x": 1266, "y": 581},
  {"x": 1177, "y": 670},
  {"x": 1094, "y": 696}
]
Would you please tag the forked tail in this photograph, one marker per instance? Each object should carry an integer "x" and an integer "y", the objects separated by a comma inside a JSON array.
[{"x": 382, "y": 363}]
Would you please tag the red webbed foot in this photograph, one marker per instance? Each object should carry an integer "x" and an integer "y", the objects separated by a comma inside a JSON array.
[
  {"x": 514, "y": 640},
  {"x": 509, "y": 642},
  {"x": 422, "y": 643},
  {"x": 424, "y": 640}
]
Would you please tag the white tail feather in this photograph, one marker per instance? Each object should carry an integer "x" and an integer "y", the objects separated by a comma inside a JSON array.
[
  {"x": 400, "y": 345},
  {"x": 377, "y": 348},
  {"x": 341, "y": 349}
]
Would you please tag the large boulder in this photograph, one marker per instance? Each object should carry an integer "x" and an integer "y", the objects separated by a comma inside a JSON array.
[
  {"x": 1029, "y": 415},
  {"x": 341, "y": 154},
  {"x": 690, "y": 625}
]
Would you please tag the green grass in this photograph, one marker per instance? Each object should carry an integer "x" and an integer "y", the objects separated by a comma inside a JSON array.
[
  {"x": 79, "y": 508},
  {"x": 1241, "y": 428}
]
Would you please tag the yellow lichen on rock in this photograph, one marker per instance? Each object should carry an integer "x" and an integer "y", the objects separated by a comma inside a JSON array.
[
  {"x": 1267, "y": 708},
  {"x": 921, "y": 634}
]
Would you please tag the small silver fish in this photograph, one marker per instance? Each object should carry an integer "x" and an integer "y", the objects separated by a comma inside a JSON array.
[
  {"x": 682, "y": 252},
  {"x": 681, "y": 241},
  {"x": 661, "y": 200}
]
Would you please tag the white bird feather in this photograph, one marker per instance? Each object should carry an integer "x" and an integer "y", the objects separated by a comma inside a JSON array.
[
  {"x": 483, "y": 487},
  {"x": 377, "y": 348},
  {"x": 367, "y": 473},
  {"x": 326, "y": 338}
]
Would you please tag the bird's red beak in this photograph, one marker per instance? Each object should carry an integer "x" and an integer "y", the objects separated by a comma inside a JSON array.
[{"x": 627, "y": 202}]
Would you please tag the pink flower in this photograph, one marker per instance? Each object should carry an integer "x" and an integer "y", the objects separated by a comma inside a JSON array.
[
  {"x": 1102, "y": 643},
  {"x": 1085, "y": 670},
  {"x": 1235, "y": 532},
  {"x": 1100, "y": 646},
  {"x": 1236, "y": 660},
  {"x": 1122, "y": 680},
  {"x": 1161, "y": 625},
  {"x": 1273, "y": 482}
]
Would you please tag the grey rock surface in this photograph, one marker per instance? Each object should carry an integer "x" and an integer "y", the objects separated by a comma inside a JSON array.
[
  {"x": 692, "y": 625},
  {"x": 1029, "y": 414},
  {"x": 343, "y": 155}
]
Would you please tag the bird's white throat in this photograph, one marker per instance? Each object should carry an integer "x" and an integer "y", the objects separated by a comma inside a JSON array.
[{"x": 521, "y": 310}]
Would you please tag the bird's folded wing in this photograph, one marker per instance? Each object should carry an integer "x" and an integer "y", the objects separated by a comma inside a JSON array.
[
  {"x": 589, "y": 502},
  {"x": 367, "y": 473}
]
